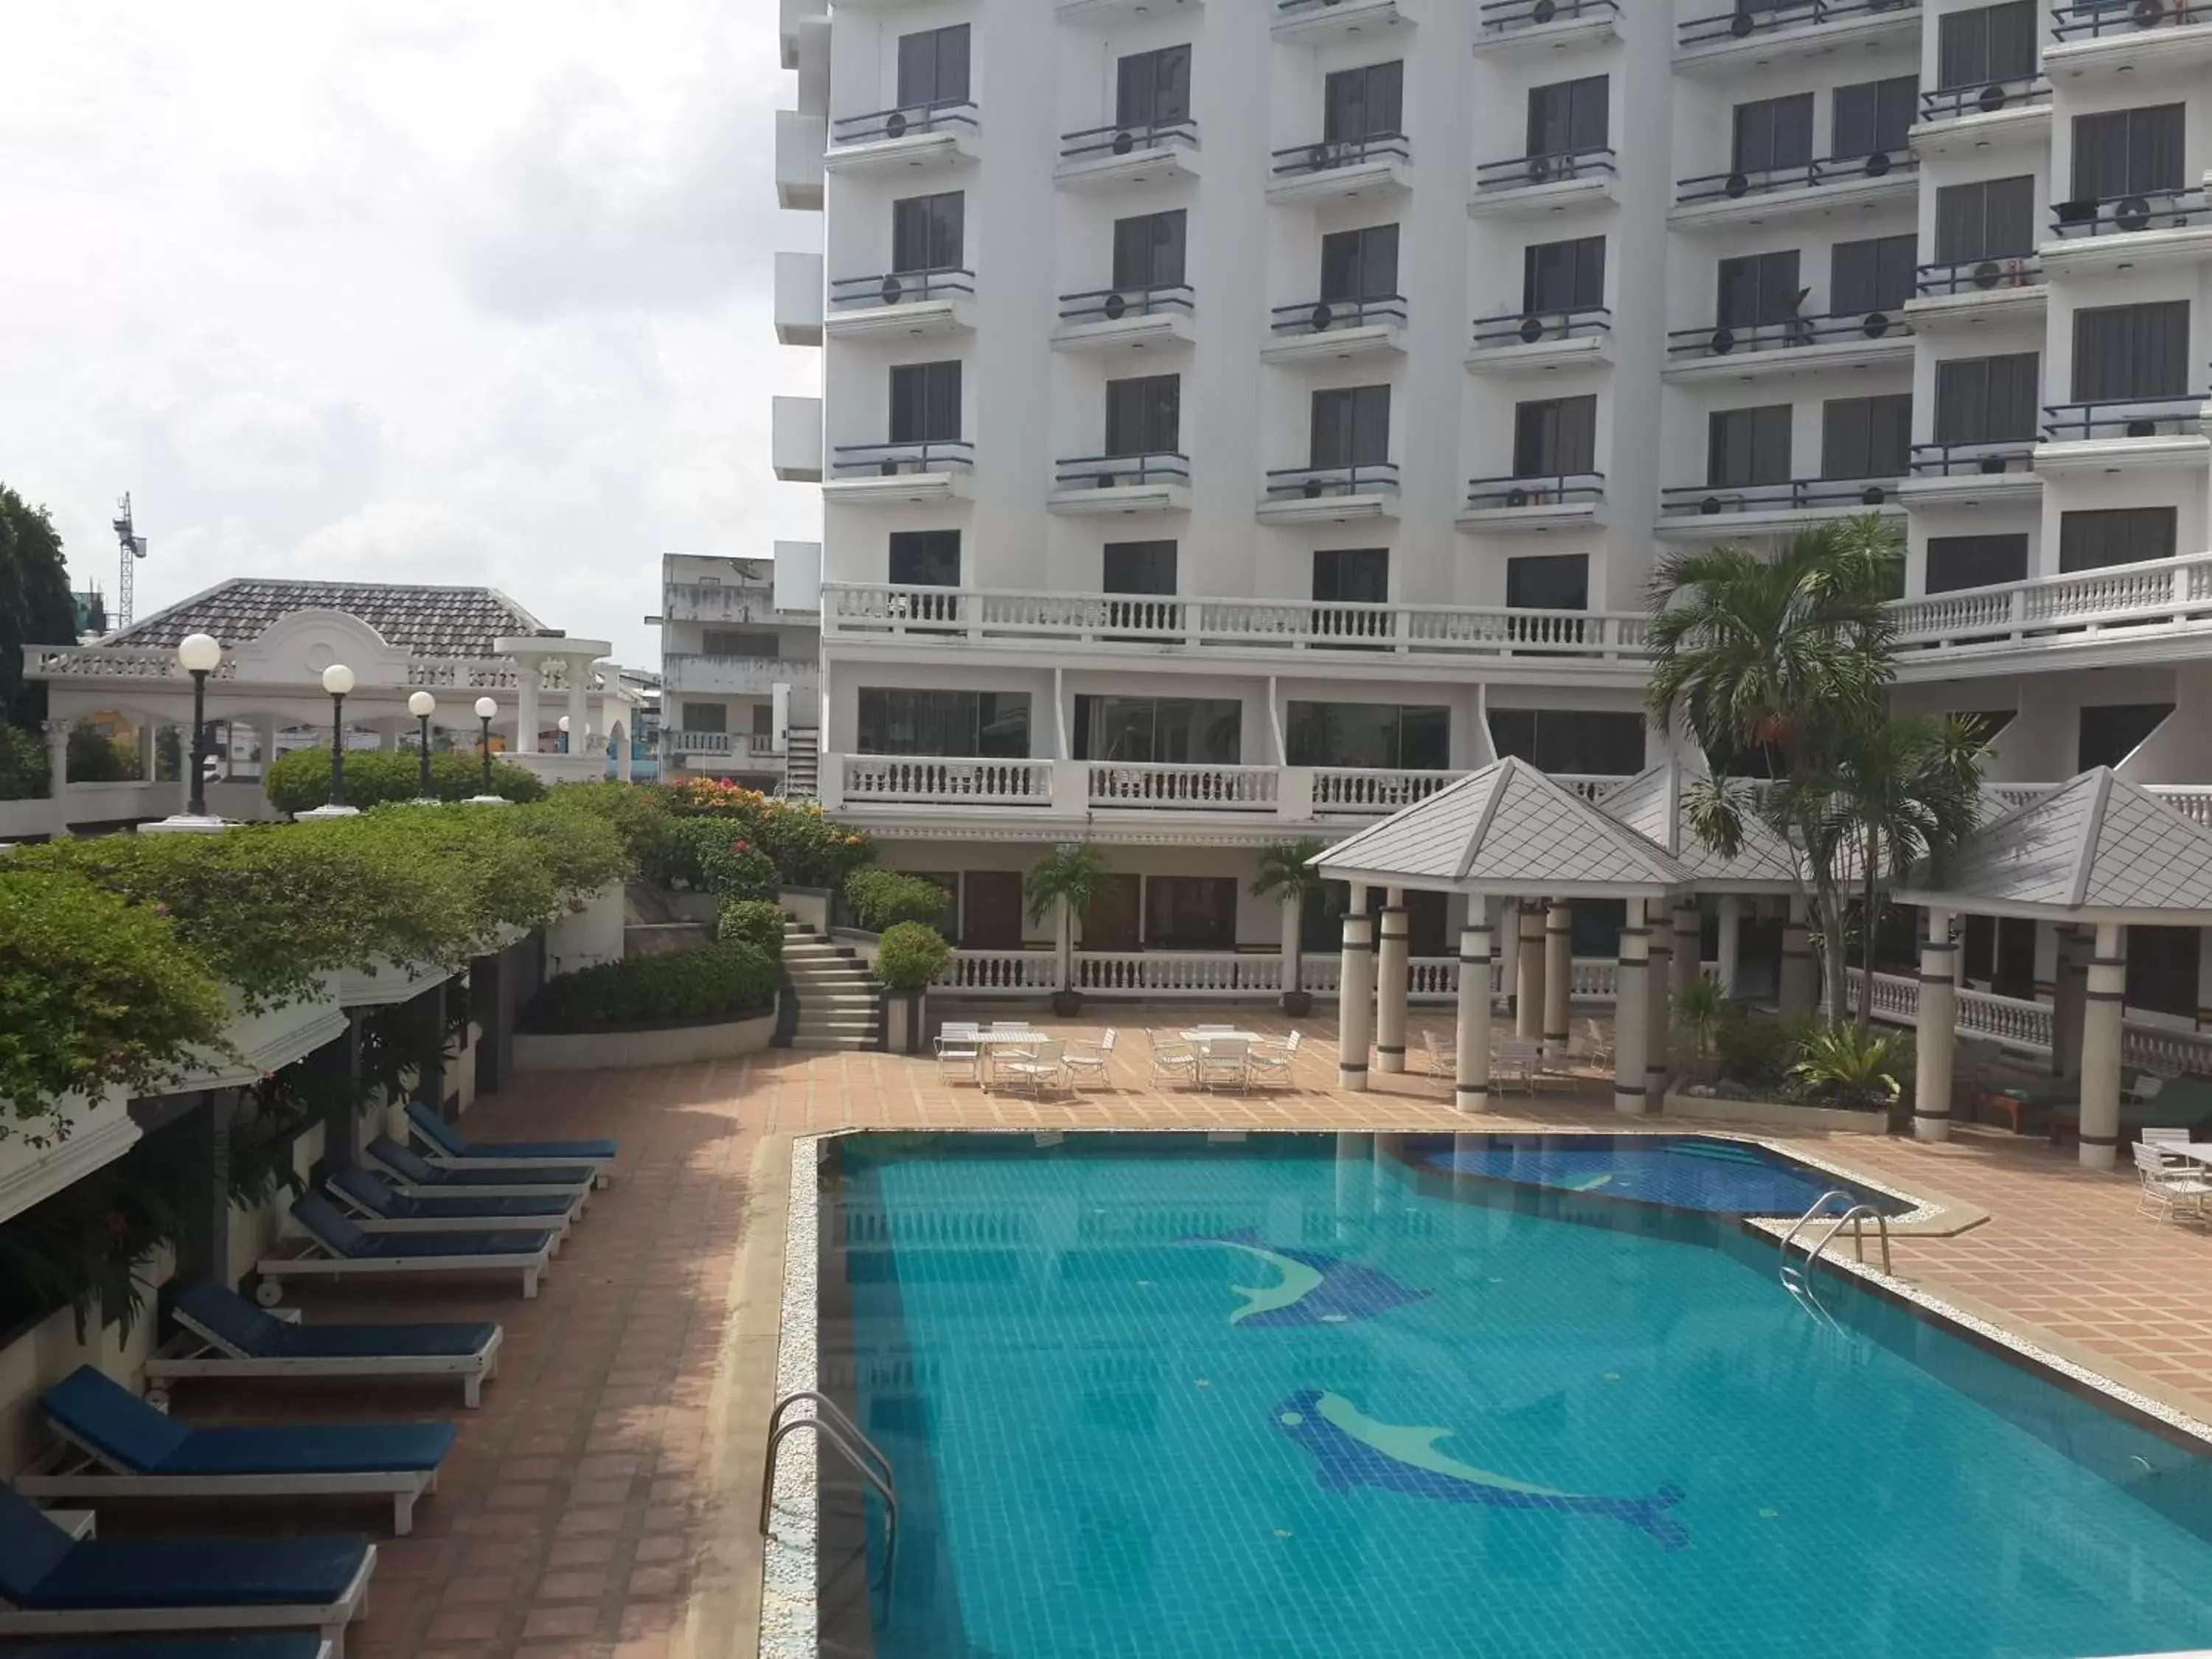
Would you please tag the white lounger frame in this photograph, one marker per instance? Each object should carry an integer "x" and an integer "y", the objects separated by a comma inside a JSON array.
[
  {"x": 580, "y": 1195},
  {"x": 198, "y": 1351},
  {"x": 331, "y": 1618},
  {"x": 76, "y": 1469},
  {"x": 317, "y": 1262}
]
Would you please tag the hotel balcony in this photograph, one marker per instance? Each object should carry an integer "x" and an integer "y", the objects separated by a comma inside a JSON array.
[
  {"x": 2155, "y": 227},
  {"x": 1570, "y": 502},
  {"x": 1971, "y": 475},
  {"x": 901, "y": 144},
  {"x": 686, "y": 670},
  {"x": 1330, "y": 494},
  {"x": 1084, "y": 12},
  {"x": 1509, "y": 27},
  {"x": 899, "y": 474},
  {"x": 1317, "y": 22},
  {"x": 1126, "y": 319},
  {"x": 1773, "y": 196},
  {"x": 2133, "y": 435},
  {"x": 1964, "y": 120},
  {"x": 1747, "y": 38},
  {"x": 1977, "y": 293},
  {"x": 1542, "y": 342},
  {"x": 1087, "y": 485},
  {"x": 1531, "y": 187},
  {"x": 1377, "y": 167},
  {"x": 1336, "y": 330},
  {"x": 1702, "y": 512},
  {"x": 2101, "y": 40},
  {"x": 1799, "y": 345},
  {"x": 1114, "y": 157},
  {"x": 900, "y": 305},
  {"x": 2157, "y": 612},
  {"x": 798, "y": 299}
]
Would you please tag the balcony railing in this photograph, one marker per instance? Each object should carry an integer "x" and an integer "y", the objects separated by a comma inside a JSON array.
[
  {"x": 1750, "y": 19},
  {"x": 1552, "y": 168},
  {"x": 2129, "y": 417},
  {"x": 1090, "y": 143},
  {"x": 1327, "y": 155},
  {"x": 2095, "y": 18},
  {"x": 1121, "y": 471},
  {"x": 1561, "y": 489},
  {"x": 1793, "y": 496},
  {"x": 2177, "y": 592},
  {"x": 1320, "y": 316},
  {"x": 1980, "y": 276},
  {"x": 891, "y": 461},
  {"x": 1532, "y": 327},
  {"x": 1982, "y": 456},
  {"x": 1986, "y": 97},
  {"x": 2177, "y": 209},
  {"x": 930, "y": 778},
  {"x": 1503, "y": 17},
  {"x": 902, "y": 287},
  {"x": 905, "y": 121},
  {"x": 1221, "y": 788},
  {"x": 1110, "y": 305},
  {"x": 1809, "y": 175},
  {"x": 1826, "y": 328},
  {"x": 1312, "y": 483}
]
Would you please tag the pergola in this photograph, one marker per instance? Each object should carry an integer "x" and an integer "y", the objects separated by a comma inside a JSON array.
[
  {"x": 2095, "y": 853},
  {"x": 1506, "y": 833}
]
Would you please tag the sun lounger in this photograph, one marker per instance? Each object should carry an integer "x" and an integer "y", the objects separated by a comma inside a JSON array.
[
  {"x": 417, "y": 1177},
  {"x": 52, "y": 1586},
  {"x": 378, "y": 1207},
  {"x": 281, "y": 1645},
  {"x": 443, "y": 1145},
  {"x": 334, "y": 1248},
  {"x": 113, "y": 1444},
  {"x": 223, "y": 1334}
]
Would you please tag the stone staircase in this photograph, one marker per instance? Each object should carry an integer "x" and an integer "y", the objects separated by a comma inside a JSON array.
[
  {"x": 835, "y": 998},
  {"x": 802, "y": 764}
]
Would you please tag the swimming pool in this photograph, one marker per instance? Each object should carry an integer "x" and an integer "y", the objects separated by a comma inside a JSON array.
[{"x": 1314, "y": 1395}]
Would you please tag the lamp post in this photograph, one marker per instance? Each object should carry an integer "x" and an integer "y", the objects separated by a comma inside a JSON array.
[
  {"x": 485, "y": 709},
  {"x": 199, "y": 655},
  {"x": 421, "y": 706}
]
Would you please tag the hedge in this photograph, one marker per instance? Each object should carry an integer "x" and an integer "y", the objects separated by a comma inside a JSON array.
[
  {"x": 301, "y": 779},
  {"x": 715, "y": 980},
  {"x": 883, "y": 898},
  {"x": 911, "y": 956},
  {"x": 755, "y": 922}
]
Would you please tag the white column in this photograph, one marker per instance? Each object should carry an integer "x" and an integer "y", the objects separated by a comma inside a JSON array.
[
  {"x": 1390, "y": 984},
  {"x": 1936, "y": 1032},
  {"x": 1472, "y": 1089},
  {"x": 1632, "y": 1010},
  {"x": 1355, "y": 993},
  {"x": 1558, "y": 976},
  {"x": 1731, "y": 940},
  {"x": 527, "y": 673},
  {"x": 2066, "y": 1003},
  {"x": 1528, "y": 974},
  {"x": 2101, "y": 1037},
  {"x": 1798, "y": 980}
]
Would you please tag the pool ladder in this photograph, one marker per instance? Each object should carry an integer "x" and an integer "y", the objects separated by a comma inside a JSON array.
[
  {"x": 832, "y": 1425},
  {"x": 1796, "y": 1278}
]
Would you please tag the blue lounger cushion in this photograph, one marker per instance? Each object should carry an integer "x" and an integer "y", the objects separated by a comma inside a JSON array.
[
  {"x": 269, "y": 1644},
  {"x": 419, "y": 1171},
  {"x": 380, "y": 1198},
  {"x": 441, "y": 1134},
  {"x": 334, "y": 1232},
  {"x": 227, "y": 1315},
  {"x": 101, "y": 1413},
  {"x": 43, "y": 1569}
]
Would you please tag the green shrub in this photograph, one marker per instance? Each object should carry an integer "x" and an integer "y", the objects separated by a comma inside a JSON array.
[
  {"x": 752, "y": 921},
  {"x": 301, "y": 779},
  {"x": 24, "y": 769},
  {"x": 714, "y": 981},
  {"x": 911, "y": 956},
  {"x": 95, "y": 757},
  {"x": 882, "y": 898}
]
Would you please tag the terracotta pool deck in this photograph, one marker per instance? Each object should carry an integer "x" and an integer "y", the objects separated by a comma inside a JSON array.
[{"x": 602, "y": 1501}]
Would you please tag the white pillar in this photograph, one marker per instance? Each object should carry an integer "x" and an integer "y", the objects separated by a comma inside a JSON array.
[
  {"x": 1798, "y": 979},
  {"x": 1632, "y": 1010},
  {"x": 1390, "y": 984},
  {"x": 1472, "y": 1091},
  {"x": 1355, "y": 993},
  {"x": 1731, "y": 940},
  {"x": 1936, "y": 1032},
  {"x": 2101, "y": 1038},
  {"x": 528, "y": 671},
  {"x": 1558, "y": 974},
  {"x": 2066, "y": 1003},
  {"x": 1528, "y": 974}
]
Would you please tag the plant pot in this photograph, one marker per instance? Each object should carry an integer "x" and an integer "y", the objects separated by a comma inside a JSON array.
[
  {"x": 1067, "y": 1004},
  {"x": 1297, "y": 1004}
]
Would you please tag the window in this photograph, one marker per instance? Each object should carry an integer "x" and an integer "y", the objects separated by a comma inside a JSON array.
[
  {"x": 925, "y": 558},
  {"x": 1563, "y": 275},
  {"x": 1990, "y": 43},
  {"x": 1747, "y": 447},
  {"x": 1759, "y": 288},
  {"x": 1875, "y": 275},
  {"x": 2130, "y": 353},
  {"x": 926, "y": 231},
  {"x": 1194, "y": 730},
  {"x": 1992, "y": 220},
  {"x": 1148, "y": 251},
  {"x": 1874, "y": 116},
  {"x": 1867, "y": 437},
  {"x": 925, "y": 403},
  {"x": 1552, "y": 581},
  {"x": 1980, "y": 400},
  {"x": 1368, "y": 102},
  {"x": 1153, "y": 88},
  {"x": 1568, "y": 117},
  {"x": 1351, "y": 575},
  {"x": 898, "y": 721},
  {"x": 1369, "y": 734},
  {"x": 2111, "y": 732},
  {"x": 932, "y": 67},
  {"x": 1773, "y": 133},
  {"x": 1352, "y": 426},
  {"x": 1190, "y": 912},
  {"x": 1554, "y": 437},
  {"x": 1139, "y": 567},
  {"x": 1359, "y": 264},
  {"x": 1144, "y": 415},
  {"x": 2162, "y": 970},
  {"x": 706, "y": 717},
  {"x": 2117, "y": 535},
  {"x": 1577, "y": 741},
  {"x": 728, "y": 643},
  {"x": 1957, "y": 562},
  {"x": 2127, "y": 152}
]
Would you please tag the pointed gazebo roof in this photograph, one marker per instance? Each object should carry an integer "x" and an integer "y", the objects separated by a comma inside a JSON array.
[
  {"x": 1507, "y": 831},
  {"x": 1651, "y": 803},
  {"x": 2096, "y": 848}
]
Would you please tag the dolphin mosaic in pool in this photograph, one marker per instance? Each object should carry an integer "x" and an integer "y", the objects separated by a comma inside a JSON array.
[
  {"x": 1313, "y": 1290},
  {"x": 1351, "y": 1449}
]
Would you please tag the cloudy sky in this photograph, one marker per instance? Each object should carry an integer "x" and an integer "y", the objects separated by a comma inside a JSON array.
[{"x": 418, "y": 290}]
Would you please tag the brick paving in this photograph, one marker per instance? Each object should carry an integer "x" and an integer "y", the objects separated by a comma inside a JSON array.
[{"x": 598, "y": 1504}]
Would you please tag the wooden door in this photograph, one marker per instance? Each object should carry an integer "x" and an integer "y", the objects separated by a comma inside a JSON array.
[{"x": 991, "y": 910}]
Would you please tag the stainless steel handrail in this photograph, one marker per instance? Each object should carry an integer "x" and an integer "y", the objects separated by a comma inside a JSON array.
[{"x": 868, "y": 1459}]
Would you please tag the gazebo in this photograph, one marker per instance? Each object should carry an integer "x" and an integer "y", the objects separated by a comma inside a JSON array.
[
  {"x": 1507, "y": 832},
  {"x": 2096, "y": 853}
]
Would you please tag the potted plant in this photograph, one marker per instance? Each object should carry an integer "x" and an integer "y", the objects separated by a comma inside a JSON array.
[
  {"x": 1286, "y": 872},
  {"x": 1062, "y": 885},
  {"x": 910, "y": 956}
]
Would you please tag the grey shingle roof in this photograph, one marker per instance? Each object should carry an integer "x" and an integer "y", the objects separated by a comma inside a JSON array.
[
  {"x": 425, "y": 622},
  {"x": 1651, "y": 803},
  {"x": 1507, "y": 828}
]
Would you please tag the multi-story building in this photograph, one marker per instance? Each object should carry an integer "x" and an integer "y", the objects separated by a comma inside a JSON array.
[
  {"x": 739, "y": 667},
  {"x": 1238, "y": 416}
]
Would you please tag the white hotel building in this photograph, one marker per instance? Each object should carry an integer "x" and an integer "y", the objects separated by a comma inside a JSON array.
[{"x": 1238, "y": 415}]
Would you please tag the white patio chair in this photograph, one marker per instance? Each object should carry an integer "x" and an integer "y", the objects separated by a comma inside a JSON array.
[
  {"x": 1269, "y": 1063},
  {"x": 959, "y": 1058},
  {"x": 1225, "y": 1063},
  {"x": 1030, "y": 1070},
  {"x": 1089, "y": 1060},
  {"x": 2169, "y": 1191},
  {"x": 1174, "y": 1062}
]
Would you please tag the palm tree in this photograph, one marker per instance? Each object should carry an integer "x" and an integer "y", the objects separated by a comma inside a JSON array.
[
  {"x": 1062, "y": 883},
  {"x": 1286, "y": 872}
]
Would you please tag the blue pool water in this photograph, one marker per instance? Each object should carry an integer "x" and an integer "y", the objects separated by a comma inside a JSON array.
[{"x": 1315, "y": 1397}]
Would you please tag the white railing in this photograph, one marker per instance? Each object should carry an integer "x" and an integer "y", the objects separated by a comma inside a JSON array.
[
  {"x": 689, "y": 671},
  {"x": 1213, "y": 789},
  {"x": 1001, "y": 973},
  {"x": 1362, "y": 789},
  {"x": 2174, "y": 592},
  {"x": 1178, "y": 973},
  {"x": 933, "y": 779},
  {"x": 2019, "y": 1024}
]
